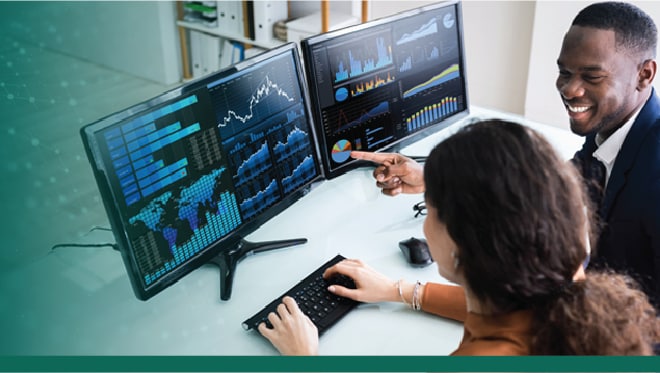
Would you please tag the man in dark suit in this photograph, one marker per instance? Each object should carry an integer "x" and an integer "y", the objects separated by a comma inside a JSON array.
[{"x": 606, "y": 70}]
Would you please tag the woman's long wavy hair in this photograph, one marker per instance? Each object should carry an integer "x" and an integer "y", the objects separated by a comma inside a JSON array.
[{"x": 519, "y": 216}]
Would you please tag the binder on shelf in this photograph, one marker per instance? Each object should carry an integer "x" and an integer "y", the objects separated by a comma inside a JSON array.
[
  {"x": 196, "y": 53},
  {"x": 225, "y": 53},
  {"x": 231, "y": 52},
  {"x": 266, "y": 14},
  {"x": 233, "y": 19},
  {"x": 210, "y": 54},
  {"x": 238, "y": 52},
  {"x": 222, "y": 9}
]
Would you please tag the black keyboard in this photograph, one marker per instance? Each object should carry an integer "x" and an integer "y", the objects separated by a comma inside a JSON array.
[{"x": 314, "y": 299}]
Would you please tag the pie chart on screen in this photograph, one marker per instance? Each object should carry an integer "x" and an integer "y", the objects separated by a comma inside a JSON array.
[
  {"x": 341, "y": 94},
  {"x": 341, "y": 151}
]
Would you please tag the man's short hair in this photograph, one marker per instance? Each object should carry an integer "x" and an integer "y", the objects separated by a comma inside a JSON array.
[{"x": 634, "y": 29}]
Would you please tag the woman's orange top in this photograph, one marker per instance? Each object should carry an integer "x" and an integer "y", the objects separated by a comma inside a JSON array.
[{"x": 505, "y": 334}]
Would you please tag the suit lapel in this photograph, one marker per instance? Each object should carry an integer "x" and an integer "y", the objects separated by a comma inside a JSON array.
[{"x": 629, "y": 150}]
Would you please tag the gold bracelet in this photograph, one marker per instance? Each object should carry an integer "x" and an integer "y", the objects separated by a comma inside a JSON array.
[{"x": 398, "y": 287}]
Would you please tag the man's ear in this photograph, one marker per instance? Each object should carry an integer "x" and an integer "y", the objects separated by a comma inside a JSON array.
[{"x": 647, "y": 73}]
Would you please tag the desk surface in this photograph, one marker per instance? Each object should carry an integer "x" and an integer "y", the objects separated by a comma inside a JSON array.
[{"x": 78, "y": 301}]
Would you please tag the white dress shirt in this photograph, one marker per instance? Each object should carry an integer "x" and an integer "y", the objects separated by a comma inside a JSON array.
[{"x": 608, "y": 148}]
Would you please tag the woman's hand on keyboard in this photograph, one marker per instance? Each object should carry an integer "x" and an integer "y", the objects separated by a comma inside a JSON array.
[
  {"x": 293, "y": 333},
  {"x": 371, "y": 285}
]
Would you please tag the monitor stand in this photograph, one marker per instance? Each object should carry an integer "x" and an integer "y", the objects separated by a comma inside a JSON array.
[{"x": 227, "y": 260}]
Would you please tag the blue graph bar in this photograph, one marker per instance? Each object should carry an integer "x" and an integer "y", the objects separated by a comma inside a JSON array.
[
  {"x": 163, "y": 173},
  {"x": 432, "y": 113},
  {"x": 118, "y": 153},
  {"x": 342, "y": 74},
  {"x": 180, "y": 174},
  {"x": 292, "y": 115},
  {"x": 126, "y": 181},
  {"x": 406, "y": 65},
  {"x": 148, "y": 170},
  {"x": 115, "y": 132},
  {"x": 370, "y": 132},
  {"x": 370, "y": 138},
  {"x": 155, "y": 136},
  {"x": 157, "y": 145},
  {"x": 122, "y": 172},
  {"x": 131, "y": 189},
  {"x": 159, "y": 113},
  {"x": 256, "y": 136},
  {"x": 140, "y": 132},
  {"x": 143, "y": 161},
  {"x": 372, "y": 144},
  {"x": 132, "y": 199},
  {"x": 384, "y": 59},
  {"x": 115, "y": 143},
  {"x": 121, "y": 162},
  {"x": 358, "y": 67}
]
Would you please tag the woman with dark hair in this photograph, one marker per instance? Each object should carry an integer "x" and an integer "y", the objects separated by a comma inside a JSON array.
[{"x": 506, "y": 222}]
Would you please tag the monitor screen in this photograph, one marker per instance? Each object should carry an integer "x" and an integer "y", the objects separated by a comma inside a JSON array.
[
  {"x": 184, "y": 176},
  {"x": 386, "y": 83}
]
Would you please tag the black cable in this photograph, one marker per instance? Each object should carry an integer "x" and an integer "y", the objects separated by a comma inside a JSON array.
[
  {"x": 93, "y": 228},
  {"x": 99, "y": 228},
  {"x": 108, "y": 244}
]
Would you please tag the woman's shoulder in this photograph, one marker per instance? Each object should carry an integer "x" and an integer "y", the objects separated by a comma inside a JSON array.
[{"x": 504, "y": 334}]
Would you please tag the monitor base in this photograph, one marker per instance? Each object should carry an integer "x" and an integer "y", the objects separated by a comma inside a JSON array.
[{"x": 227, "y": 260}]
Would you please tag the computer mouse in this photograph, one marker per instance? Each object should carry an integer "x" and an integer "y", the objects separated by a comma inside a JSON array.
[{"x": 416, "y": 251}]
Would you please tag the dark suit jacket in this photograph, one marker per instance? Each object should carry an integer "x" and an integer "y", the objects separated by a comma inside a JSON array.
[{"x": 630, "y": 240}]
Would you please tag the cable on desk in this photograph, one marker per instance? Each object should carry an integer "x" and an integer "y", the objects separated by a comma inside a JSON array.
[
  {"x": 99, "y": 228},
  {"x": 93, "y": 228},
  {"x": 107, "y": 244}
]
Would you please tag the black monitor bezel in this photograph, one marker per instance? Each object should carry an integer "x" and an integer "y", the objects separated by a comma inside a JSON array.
[
  {"x": 231, "y": 240},
  {"x": 308, "y": 44}
]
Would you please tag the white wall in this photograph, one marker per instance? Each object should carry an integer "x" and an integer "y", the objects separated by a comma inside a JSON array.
[
  {"x": 497, "y": 42},
  {"x": 137, "y": 37},
  {"x": 497, "y": 36},
  {"x": 553, "y": 18}
]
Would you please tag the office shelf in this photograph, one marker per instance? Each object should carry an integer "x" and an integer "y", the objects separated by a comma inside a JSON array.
[
  {"x": 186, "y": 26},
  {"x": 235, "y": 37}
]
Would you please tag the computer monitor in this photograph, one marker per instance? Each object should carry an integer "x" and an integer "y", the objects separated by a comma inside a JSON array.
[
  {"x": 384, "y": 84},
  {"x": 186, "y": 175}
]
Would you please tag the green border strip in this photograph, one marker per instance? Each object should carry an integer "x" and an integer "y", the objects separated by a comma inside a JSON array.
[{"x": 328, "y": 364}]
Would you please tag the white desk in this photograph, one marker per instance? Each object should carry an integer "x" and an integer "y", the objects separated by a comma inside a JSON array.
[{"x": 78, "y": 301}]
